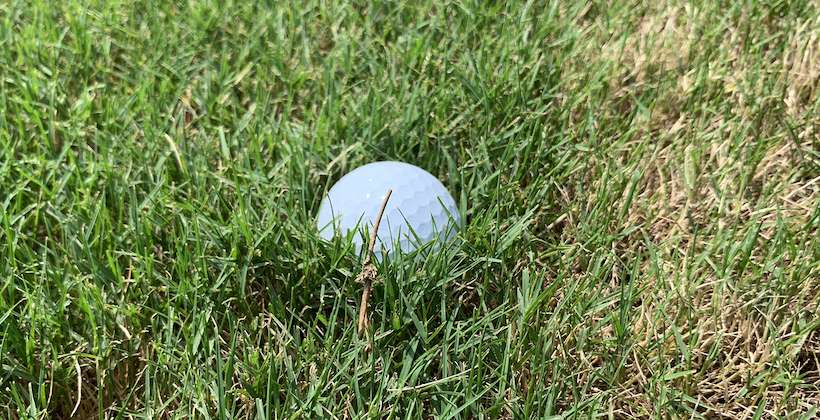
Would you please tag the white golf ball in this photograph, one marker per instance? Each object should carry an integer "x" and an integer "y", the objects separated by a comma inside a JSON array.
[{"x": 420, "y": 209}]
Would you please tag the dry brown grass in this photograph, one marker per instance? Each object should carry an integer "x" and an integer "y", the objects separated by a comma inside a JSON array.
[{"x": 744, "y": 330}]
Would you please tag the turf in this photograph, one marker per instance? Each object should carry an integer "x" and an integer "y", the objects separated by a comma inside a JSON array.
[{"x": 640, "y": 181}]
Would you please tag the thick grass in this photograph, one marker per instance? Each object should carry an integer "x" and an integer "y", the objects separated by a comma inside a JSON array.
[{"x": 640, "y": 182}]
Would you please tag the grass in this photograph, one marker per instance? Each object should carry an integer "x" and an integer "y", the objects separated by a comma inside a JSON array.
[{"x": 640, "y": 182}]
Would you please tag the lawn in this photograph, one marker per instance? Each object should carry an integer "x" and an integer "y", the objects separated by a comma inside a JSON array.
[{"x": 640, "y": 183}]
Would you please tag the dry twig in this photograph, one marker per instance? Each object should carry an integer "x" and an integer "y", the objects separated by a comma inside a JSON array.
[{"x": 368, "y": 273}]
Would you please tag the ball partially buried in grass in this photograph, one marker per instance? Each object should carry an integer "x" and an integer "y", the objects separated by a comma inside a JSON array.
[{"x": 419, "y": 211}]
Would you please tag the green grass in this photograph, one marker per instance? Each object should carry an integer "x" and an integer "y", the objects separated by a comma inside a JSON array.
[{"x": 641, "y": 184}]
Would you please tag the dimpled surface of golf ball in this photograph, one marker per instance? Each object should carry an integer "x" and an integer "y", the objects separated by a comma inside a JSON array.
[{"x": 419, "y": 211}]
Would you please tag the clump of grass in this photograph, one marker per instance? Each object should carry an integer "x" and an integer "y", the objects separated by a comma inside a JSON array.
[{"x": 640, "y": 184}]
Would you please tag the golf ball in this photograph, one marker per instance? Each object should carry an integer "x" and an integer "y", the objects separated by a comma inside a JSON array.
[{"x": 420, "y": 208}]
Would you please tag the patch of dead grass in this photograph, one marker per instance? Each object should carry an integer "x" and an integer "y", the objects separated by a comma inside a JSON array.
[{"x": 743, "y": 327}]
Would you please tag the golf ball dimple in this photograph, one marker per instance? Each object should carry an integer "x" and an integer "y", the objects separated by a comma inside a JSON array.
[{"x": 420, "y": 209}]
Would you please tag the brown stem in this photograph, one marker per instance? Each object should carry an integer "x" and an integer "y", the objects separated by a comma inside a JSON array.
[
  {"x": 367, "y": 270},
  {"x": 376, "y": 227},
  {"x": 363, "y": 308}
]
